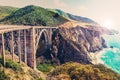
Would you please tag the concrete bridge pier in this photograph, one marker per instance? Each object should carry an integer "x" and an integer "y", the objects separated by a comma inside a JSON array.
[
  {"x": 3, "y": 49},
  {"x": 12, "y": 45},
  {"x": 19, "y": 46},
  {"x": 32, "y": 57},
  {"x": 49, "y": 42},
  {"x": 33, "y": 42},
  {"x": 25, "y": 51}
]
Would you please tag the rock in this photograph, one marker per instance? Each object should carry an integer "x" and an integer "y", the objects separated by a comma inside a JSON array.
[
  {"x": 75, "y": 43},
  {"x": 111, "y": 46}
]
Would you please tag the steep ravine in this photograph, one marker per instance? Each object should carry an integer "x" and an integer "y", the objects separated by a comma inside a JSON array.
[{"x": 74, "y": 44}]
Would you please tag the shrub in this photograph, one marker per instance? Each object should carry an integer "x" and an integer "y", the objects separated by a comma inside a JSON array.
[
  {"x": 11, "y": 64},
  {"x": 44, "y": 67},
  {"x": 85, "y": 72},
  {"x": 40, "y": 79},
  {"x": 3, "y": 76}
]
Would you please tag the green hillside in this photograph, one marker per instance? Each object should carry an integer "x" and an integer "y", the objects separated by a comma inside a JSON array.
[
  {"x": 73, "y": 17},
  {"x": 60, "y": 12},
  {"x": 76, "y": 71},
  {"x": 34, "y": 15},
  {"x": 6, "y": 10}
]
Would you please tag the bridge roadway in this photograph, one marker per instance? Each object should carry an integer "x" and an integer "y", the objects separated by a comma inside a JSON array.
[
  {"x": 25, "y": 40},
  {"x": 8, "y": 28}
]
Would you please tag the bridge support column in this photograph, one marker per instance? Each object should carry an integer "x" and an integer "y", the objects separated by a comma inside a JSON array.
[
  {"x": 32, "y": 49},
  {"x": 3, "y": 50},
  {"x": 25, "y": 54},
  {"x": 49, "y": 42},
  {"x": 19, "y": 47},
  {"x": 12, "y": 46}
]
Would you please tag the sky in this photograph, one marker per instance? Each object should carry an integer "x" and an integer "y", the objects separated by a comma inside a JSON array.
[{"x": 105, "y": 12}]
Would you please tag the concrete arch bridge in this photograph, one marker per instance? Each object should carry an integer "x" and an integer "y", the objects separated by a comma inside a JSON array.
[{"x": 23, "y": 41}]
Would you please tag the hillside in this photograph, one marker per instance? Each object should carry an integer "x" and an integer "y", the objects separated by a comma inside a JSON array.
[
  {"x": 60, "y": 12},
  {"x": 15, "y": 71},
  {"x": 34, "y": 15},
  {"x": 6, "y": 10},
  {"x": 76, "y": 71},
  {"x": 73, "y": 17}
]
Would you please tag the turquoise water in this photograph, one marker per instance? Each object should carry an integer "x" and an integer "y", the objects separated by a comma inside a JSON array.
[{"x": 111, "y": 56}]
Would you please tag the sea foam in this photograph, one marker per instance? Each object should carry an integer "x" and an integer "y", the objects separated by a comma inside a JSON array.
[{"x": 111, "y": 56}]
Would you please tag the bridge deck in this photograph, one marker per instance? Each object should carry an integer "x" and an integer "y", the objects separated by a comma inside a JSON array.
[{"x": 8, "y": 28}]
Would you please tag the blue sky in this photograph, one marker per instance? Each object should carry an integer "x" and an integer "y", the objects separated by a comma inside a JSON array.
[{"x": 102, "y": 11}]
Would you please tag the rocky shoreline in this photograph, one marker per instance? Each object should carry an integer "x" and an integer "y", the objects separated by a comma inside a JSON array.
[{"x": 76, "y": 43}]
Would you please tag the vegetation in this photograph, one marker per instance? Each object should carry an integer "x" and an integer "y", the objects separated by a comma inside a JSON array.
[
  {"x": 15, "y": 71},
  {"x": 33, "y": 15},
  {"x": 78, "y": 71},
  {"x": 13, "y": 65},
  {"x": 60, "y": 12},
  {"x": 3, "y": 76},
  {"x": 6, "y": 10},
  {"x": 45, "y": 67},
  {"x": 73, "y": 17}
]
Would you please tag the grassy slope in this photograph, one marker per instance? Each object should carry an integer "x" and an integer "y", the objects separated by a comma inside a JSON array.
[
  {"x": 78, "y": 71},
  {"x": 16, "y": 71},
  {"x": 34, "y": 15},
  {"x": 6, "y": 10}
]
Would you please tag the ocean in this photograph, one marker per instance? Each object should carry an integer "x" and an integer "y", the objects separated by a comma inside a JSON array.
[{"x": 111, "y": 56}]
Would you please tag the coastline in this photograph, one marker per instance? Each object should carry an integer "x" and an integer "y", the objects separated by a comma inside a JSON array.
[
  {"x": 110, "y": 56},
  {"x": 96, "y": 57}
]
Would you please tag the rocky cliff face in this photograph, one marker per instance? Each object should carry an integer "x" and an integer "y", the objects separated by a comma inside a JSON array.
[{"x": 75, "y": 43}]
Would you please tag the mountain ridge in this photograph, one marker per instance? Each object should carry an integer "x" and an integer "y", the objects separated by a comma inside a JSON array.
[
  {"x": 34, "y": 15},
  {"x": 37, "y": 15},
  {"x": 73, "y": 17}
]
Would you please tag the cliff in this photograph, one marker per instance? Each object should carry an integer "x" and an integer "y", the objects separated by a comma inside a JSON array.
[{"x": 75, "y": 43}]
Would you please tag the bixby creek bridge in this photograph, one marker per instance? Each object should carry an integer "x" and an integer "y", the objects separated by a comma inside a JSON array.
[{"x": 23, "y": 41}]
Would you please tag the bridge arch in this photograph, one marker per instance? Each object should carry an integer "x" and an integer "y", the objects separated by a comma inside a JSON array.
[
  {"x": 41, "y": 33},
  {"x": 42, "y": 44}
]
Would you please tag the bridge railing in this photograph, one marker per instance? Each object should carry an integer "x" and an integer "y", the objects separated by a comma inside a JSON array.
[{"x": 8, "y": 28}]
